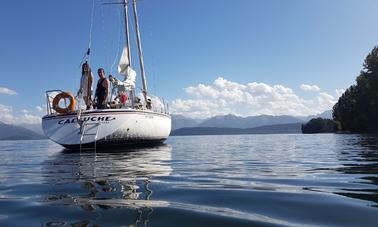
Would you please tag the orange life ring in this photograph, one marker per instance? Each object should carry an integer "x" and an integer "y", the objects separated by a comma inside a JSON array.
[{"x": 70, "y": 107}]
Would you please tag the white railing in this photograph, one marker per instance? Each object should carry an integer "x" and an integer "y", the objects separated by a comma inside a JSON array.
[
  {"x": 131, "y": 103},
  {"x": 50, "y": 95}
]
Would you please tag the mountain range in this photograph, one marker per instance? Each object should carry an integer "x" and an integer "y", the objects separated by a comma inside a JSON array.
[
  {"x": 13, "y": 132},
  {"x": 233, "y": 121},
  {"x": 293, "y": 128},
  {"x": 181, "y": 125}
]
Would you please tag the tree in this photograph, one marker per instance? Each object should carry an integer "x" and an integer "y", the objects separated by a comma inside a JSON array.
[
  {"x": 320, "y": 125},
  {"x": 357, "y": 108}
]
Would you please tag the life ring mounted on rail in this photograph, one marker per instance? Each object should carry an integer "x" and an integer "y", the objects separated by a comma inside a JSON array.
[{"x": 69, "y": 108}]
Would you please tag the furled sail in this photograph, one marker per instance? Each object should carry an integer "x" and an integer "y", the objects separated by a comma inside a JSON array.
[
  {"x": 125, "y": 69},
  {"x": 130, "y": 77},
  {"x": 124, "y": 62}
]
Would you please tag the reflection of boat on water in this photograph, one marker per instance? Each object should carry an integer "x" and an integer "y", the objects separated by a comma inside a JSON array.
[
  {"x": 108, "y": 180},
  {"x": 127, "y": 120},
  {"x": 121, "y": 166}
]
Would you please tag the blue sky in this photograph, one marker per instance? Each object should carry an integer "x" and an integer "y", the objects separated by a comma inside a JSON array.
[{"x": 188, "y": 43}]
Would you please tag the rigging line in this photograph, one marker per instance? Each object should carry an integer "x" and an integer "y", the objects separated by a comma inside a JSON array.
[
  {"x": 104, "y": 40},
  {"x": 90, "y": 30},
  {"x": 91, "y": 26},
  {"x": 119, "y": 42},
  {"x": 88, "y": 52}
]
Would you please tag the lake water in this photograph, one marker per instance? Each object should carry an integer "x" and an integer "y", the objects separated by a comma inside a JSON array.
[{"x": 264, "y": 180}]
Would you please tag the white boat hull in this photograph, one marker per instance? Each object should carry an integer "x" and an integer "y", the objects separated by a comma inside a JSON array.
[{"x": 108, "y": 127}]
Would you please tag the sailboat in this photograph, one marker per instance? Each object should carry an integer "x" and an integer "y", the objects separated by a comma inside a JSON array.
[{"x": 126, "y": 122}]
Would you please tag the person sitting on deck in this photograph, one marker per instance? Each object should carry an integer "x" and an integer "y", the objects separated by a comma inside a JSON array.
[
  {"x": 86, "y": 85},
  {"x": 102, "y": 89}
]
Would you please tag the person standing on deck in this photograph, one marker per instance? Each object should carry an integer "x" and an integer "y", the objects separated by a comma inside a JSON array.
[
  {"x": 86, "y": 82},
  {"x": 102, "y": 89}
]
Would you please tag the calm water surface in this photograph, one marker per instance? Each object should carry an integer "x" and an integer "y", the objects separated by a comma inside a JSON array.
[{"x": 263, "y": 180}]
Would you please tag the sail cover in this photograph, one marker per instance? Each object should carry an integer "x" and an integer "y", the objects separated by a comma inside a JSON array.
[
  {"x": 130, "y": 77},
  {"x": 124, "y": 61},
  {"x": 125, "y": 69}
]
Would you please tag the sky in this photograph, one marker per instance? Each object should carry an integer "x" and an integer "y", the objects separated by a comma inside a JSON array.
[{"x": 204, "y": 57}]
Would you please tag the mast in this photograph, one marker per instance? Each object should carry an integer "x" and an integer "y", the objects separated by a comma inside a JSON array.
[
  {"x": 127, "y": 31},
  {"x": 144, "y": 82}
]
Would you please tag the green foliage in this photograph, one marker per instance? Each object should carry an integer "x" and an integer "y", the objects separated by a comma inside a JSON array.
[
  {"x": 357, "y": 108},
  {"x": 320, "y": 125}
]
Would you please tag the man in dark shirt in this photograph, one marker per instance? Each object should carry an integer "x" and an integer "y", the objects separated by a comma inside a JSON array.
[{"x": 102, "y": 89}]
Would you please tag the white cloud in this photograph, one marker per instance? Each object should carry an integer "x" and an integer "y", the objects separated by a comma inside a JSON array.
[
  {"x": 307, "y": 87},
  {"x": 7, "y": 91},
  {"x": 224, "y": 97},
  {"x": 29, "y": 119},
  {"x": 339, "y": 92},
  {"x": 7, "y": 115},
  {"x": 23, "y": 111},
  {"x": 325, "y": 101},
  {"x": 39, "y": 108}
]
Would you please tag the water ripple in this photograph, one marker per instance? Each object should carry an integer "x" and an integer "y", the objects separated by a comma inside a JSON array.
[{"x": 293, "y": 180}]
